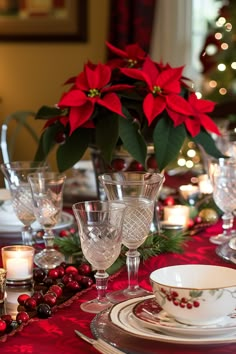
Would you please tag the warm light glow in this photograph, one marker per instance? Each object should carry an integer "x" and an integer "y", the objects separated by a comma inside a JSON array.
[
  {"x": 211, "y": 49},
  {"x": 181, "y": 162},
  {"x": 212, "y": 83},
  {"x": 198, "y": 94},
  {"x": 222, "y": 91},
  {"x": 189, "y": 164},
  {"x": 228, "y": 27},
  {"x": 221, "y": 67},
  {"x": 191, "y": 153},
  {"x": 220, "y": 22},
  {"x": 233, "y": 65},
  {"x": 218, "y": 35},
  {"x": 224, "y": 46},
  {"x": 191, "y": 144}
]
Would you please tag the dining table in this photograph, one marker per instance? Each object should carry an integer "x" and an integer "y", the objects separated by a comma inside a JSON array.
[{"x": 56, "y": 334}]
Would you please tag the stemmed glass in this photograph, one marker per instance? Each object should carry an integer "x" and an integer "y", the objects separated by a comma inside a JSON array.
[
  {"x": 139, "y": 192},
  {"x": 47, "y": 192},
  {"x": 100, "y": 230},
  {"x": 16, "y": 175},
  {"x": 223, "y": 178}
]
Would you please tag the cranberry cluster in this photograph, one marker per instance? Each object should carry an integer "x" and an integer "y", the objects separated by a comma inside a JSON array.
[
  {"x": 49, "y": 289},
  {"x": 182, "y": 302}
]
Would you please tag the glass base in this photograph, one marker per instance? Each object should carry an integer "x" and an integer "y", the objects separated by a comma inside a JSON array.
[
  {"x": 220, "y": 239},
  {"x": 95, "y": 306},
  {"x": 125, "y": 294},
  {"x": 48, "y": 259},
  {"x": 226, "y": 252}
]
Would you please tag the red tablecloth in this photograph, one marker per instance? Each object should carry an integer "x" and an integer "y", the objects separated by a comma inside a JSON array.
[{"x": 56, "y": 334}]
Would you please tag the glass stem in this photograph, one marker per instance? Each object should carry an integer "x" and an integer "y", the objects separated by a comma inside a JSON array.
[
  {"x": 48, "y": 238},
  {"x": 132, "y": 263},
  {"x": 227, "y": 224},
  {"x": 26, "y": 234},
  {"x": 101, "y": 277}
]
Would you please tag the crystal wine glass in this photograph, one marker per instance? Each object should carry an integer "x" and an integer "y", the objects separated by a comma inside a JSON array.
[
  {"x": 47, "y": 192},
  {"x": 16, "y": 175},
  {"x": 223, "y": 177},
  {"x": 139, "y": 192},
  {"x": 100, "y": 230}
]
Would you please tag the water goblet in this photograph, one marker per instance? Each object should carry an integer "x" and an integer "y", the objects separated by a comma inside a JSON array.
[
  {"x": 47, "y": 192},
  {"x": 100, "y": 230},
  {"x": 223, "y": 177},
  {"x": 16, "y": 173},
  {"x": 139, "y": 192}
]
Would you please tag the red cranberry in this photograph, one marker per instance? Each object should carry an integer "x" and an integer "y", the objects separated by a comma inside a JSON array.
[
  {"x": 73, "y": 285},
  {"x": 64, "y": 233},
  {"x": 38, "y": 296},
  {"x": 30, "y": 304},
  {"x": 118, "y": 164},
  {"x": 39, "y": 275},
  {"x": 66, "y": 279},
  {"x": 48, "y": 282},
  {"x": 86, "y": 282},
  {"x": 3, "y": 325},
  {"x": 50, "y": 299},
  {"x": 22, "y": 298},
  {"x": 44, "y": 311},
  {"x": 60, "y": 137},
  {"x": 61, "y": 271},
  {"x": 71, "y": 270},
  {"x": 53, "y": 273},
  {"x": 85, "y": 269},
  {"x": 136, "y": 166},
  {"x": 152, "y": 163},
  {"x": 56, "y": 289},
  {"x": 7, "y": 318},
  {"x": 63, "y": 264},
  {"x": 22, "y": 317}
]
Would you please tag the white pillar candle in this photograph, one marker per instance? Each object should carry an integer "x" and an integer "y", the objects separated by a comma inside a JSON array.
[
  {"x": 18, "y": 262},
  {"x": 176, "y": 215}
]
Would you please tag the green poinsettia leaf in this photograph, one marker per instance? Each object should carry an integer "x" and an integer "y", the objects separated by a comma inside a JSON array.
[
  {"x": 46, "y": 143},
  {"x": 168, "y": 141},
  {"x": 206, "y": 141},
  {"x": 73, "y": 149},
  {"x": 107, "y": 134},
  {"x": 132, "y": 140},
  {"x": 46, "y": 112}
]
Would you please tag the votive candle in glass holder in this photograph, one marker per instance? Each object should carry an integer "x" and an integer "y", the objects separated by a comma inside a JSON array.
[
  {"x": 176, "y": 215},
  {"x": 18, "y": 261},
  {"x": 189, "y": 193}
]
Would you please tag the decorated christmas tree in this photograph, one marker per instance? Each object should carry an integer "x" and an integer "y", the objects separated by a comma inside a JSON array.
[{"x": 218, "y": 56}]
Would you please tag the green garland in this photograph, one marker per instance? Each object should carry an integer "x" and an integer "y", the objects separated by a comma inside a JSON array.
[{"x": 155, "y": 243}]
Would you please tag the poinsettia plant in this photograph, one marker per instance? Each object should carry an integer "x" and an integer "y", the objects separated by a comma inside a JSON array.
[{"x": 131, "y": 101}]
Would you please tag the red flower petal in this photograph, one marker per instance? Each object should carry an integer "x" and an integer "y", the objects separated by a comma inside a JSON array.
[
  {"x": 73, "y": 98},
  {"x": 98, "y": 77},
  {"x": 79, "y": 115},
  {"x": 208, "y": 124},
  {"x": 112, "y": 102},
  {"x": 153, "y": 106}
]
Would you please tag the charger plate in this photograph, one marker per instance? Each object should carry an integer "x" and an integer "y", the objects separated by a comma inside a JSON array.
[{"x": 118, "y": 327}]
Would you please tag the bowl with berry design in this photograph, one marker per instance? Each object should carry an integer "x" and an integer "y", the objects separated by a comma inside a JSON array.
[{"x": 195, "y": 294}]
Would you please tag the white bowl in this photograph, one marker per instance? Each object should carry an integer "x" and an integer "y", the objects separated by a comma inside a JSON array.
[{"x": 195, "y": 294}]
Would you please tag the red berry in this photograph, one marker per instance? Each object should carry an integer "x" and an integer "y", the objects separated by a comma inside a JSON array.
[
  {"x": 3, "y": 325},
  {"x": 38, "y": 296},
  {"x": 39, "y": 275},
  {"x": 48, "y": 282},
  {"x": 152, "y": 163},
  {"x": 196, "y": 304},
  {"x": 53, "y": 273},
  {"x": 78, "y": 277},
  {"x": 189, "y": 306},
  {"x": 64, "y": 233},
  {"x": 56, "y": 289},
  {"x": 60, "y": 137},
  {"x": 61, "y": 271},
  {"x": 118, "y": 164},
  {"x": 22, "y": 298},
  {"x": 169, "y": 201},
  {"x": 44, "y": 311},
  {"x": 86, "y": 282},
  {"x": 136, "y": 166},
  {"x": 30, "y": 304},
  {"x": 85, "y": 269},
  {"x": 50, "y": 299},
  {"x": 22, "y": 317},
  {"x": 63, "y": 264},
  {"x": 71, "y": 270},
  {"x": 7, "y": 318},
  {"x": 66, "y": 279},
  {"x": 73, "y": 285}
]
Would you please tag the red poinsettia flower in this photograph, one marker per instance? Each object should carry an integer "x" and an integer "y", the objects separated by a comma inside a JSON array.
[
  {"x": 92, "y": 87},
  {"x": 163, "y": 90},
  {"x": 133, "y": 56},
  {"x": 198, "y": 117}
]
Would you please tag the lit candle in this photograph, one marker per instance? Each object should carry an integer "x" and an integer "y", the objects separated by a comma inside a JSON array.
[
  {"x": 176, "y": 215},
  {"x": 205, "y": 185},
  {"x": 18, "y": 262}
]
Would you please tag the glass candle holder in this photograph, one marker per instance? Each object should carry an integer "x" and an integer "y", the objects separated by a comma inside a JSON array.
[
  {"x": 2, "y": 284},
  {"x": 176, "y": 215},
  {"x": 18, "y": 262}
]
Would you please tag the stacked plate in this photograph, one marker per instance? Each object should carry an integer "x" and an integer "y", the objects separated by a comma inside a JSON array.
[{"x": 144, "y": 318}]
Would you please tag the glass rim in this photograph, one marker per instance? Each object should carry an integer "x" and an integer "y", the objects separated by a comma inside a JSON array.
[
  {"x": 155, "y": 177},
  {"x": 108, "y": 203}
]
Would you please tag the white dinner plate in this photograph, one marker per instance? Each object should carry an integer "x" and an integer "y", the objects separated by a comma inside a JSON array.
[
  {"x": 66, "y": 221},
  {"x": 121, "y": 315},
  {"x": 149, "y": 314}
]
